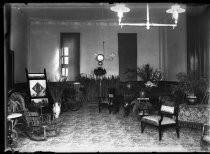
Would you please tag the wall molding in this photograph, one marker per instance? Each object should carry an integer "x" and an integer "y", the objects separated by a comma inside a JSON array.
[{"x": 71, "y": 23}]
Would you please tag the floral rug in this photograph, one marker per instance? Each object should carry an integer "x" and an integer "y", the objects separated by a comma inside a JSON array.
[{"x": 87, "y": 130}]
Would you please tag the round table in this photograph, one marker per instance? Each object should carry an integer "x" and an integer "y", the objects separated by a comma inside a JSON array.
[{"x": 13, "y": 135}]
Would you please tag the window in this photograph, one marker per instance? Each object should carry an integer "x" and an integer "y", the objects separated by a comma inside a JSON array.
[{"x": 64, "y": 61}]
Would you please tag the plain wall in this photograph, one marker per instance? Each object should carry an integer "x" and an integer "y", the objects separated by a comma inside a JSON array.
[
  {"x": 19, "y": 44},
  {"x": 40, "y": 49},
  {"x": 176, "y": 49},
  {"x": 45, "y": 42}
]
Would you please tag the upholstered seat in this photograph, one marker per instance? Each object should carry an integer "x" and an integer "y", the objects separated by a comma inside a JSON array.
[{"x": 155, "y": 120}]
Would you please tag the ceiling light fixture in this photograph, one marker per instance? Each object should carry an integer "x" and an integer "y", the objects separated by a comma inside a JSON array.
[{"x": 121, "y": 8}]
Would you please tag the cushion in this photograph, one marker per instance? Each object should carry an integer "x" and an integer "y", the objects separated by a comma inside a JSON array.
[
  {"x": 105, "y": 101},
  {"x": 111, "y": 95},
  {"x": 206, "y": 138},
  {"x": 168, "y": 109},
  {"x": 154, "y": 119}
]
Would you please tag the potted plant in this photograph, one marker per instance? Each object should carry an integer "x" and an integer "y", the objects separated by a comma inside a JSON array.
[
  {"x": 56, "y": 90},
  {"x": 192, "y": 86},
  {"x": 145, "y": 72},
  {"x": 99, "y": 72}
]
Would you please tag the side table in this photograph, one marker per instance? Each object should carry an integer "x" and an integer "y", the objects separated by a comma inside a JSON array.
[
  {"x": 12, "y": 133},
  {"x": 144, "y": 107}
]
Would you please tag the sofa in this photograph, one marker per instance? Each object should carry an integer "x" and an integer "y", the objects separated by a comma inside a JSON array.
[{"x": 193, "y": 115}]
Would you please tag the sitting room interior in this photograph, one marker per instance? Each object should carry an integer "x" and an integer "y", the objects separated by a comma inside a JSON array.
[{"x": 107, "y": 77}]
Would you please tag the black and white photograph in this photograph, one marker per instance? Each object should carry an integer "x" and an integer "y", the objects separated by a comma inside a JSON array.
[{"x": 106, "y": 77}]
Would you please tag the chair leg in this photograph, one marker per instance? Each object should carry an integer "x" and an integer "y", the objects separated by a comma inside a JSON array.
[
  {"x": 160, "y": 133},
  {"x": 142, "y": 127},
  {"x": 45, "y": 136},
  {"x": 177, "y": 131},
  {"x": 109, "y": 108}
]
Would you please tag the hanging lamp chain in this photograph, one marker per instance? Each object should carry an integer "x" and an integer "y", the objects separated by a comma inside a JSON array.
[{"x": 103, "y": 30}]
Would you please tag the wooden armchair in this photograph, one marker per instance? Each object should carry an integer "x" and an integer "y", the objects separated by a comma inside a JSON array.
[
  {"x": 167, "y": 116},
  {"x": 107, "y": 101},
  {"x": 205, "y": 137}
]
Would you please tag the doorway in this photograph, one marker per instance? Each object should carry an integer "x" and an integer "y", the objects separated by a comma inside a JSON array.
[
  {"x": 127, "y": 50},
  {"x": 72, "y": 41}
]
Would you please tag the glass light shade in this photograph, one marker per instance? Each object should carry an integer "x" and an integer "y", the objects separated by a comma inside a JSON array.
[
  {"x": 120, "y": 14},
  {"x": 176, "y": 8},
  {"x": 175, "y": 15},
  {"x": 120, "y": 8}
]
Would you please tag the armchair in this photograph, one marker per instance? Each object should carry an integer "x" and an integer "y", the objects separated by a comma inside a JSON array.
[
  {"x": 205, "y": 137},
  {"x": 167, "y": 116},
  {"x": 107, "y": 101}
]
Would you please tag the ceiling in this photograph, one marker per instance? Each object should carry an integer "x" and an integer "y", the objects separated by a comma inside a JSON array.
[{"x": 91, "y": 11}]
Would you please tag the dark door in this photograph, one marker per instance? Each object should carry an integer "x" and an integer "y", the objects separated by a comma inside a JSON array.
[
  {"x": 72, "y": 40},
  {"x": 127, "y": 49},
  {"x": 11, "y": 69}
]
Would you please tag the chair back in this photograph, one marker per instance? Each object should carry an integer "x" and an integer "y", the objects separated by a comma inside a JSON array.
[
  {"x": 168, "y": 105},
  {"x": 111, "y": 92},
  {"x": 37, "y": 89}
]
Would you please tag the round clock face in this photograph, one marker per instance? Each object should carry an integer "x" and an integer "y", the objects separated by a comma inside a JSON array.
[{"x": 100, "y": 57}]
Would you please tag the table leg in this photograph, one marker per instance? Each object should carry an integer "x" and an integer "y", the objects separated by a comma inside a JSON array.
[{"x": 44, "y": 127}]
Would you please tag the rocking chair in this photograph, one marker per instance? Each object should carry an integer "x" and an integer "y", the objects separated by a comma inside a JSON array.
[{"x": 39, "y": 113}]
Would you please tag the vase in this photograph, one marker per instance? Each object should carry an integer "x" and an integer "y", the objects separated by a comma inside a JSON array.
[
  {"x": 191, "y": 100},
  {"x": 142, "y": 94},
  {"x": 56, "y": 109}
]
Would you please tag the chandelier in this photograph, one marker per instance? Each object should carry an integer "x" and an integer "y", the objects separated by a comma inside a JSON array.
[{"x": 121, "y": 8}]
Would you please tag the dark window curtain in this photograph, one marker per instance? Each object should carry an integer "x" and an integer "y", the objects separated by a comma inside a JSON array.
[{"x": 198, "y": 19}]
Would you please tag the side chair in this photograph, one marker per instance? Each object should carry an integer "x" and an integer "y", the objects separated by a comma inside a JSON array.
[{"x": 167, "y": 116}]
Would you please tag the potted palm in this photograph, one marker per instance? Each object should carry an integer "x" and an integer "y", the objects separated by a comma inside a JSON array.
[
  {"x": 99, "y": 72},
  {"x": 56, "y": 90},
  {"x": 192, "y": 86}
]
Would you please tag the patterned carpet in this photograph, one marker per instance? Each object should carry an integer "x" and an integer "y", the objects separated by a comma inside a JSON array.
[{"x": 87, "y": 130}]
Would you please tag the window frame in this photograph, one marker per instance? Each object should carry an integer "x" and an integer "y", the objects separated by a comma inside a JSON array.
[{"x": 64, "y": 65}]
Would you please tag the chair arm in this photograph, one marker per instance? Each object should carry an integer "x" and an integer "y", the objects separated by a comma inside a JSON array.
[
  {"x": 167, "y": 113},
  {"x": 33, "y": 120},
  {"x": 47, "y": 117},
  {"x": 162, "y": 114}
]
